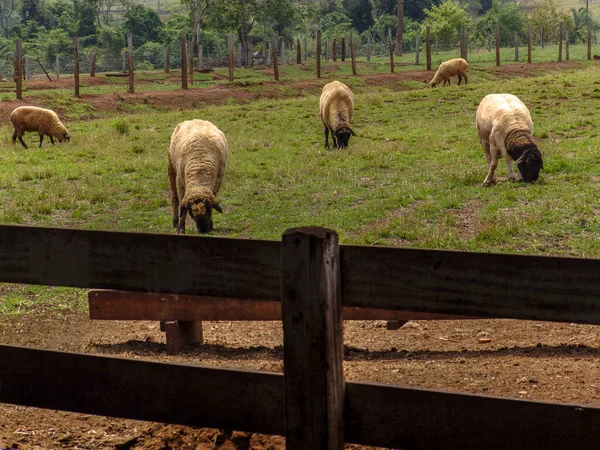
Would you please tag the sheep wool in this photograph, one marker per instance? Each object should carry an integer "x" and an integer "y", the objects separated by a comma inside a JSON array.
[
  {"x": 505, "y": 128},
  {"x": 453, "y": 67},
  {"x": 337, "y": 106},
  {"x": 34, "y": 119},
  {"x": 197, "y": 159}
]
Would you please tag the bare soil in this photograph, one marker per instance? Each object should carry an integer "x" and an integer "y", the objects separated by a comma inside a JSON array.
[{"x": 519, "y": 359}]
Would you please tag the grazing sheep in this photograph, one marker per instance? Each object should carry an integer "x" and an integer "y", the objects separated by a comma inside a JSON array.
[
  {"x": 505, "y": 128},
  {"x": 197, "y": 157},
  {"x": 449, "y": 69},
  {"x": 337, "y": 106},
  {"x": 43, "y": 121}
]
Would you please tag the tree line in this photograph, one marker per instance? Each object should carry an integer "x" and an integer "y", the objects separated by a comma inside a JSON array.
[{"x": 47, "y": 27}]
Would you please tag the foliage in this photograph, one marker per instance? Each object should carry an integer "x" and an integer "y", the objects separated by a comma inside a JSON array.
[
  {"x": 360, "y": 12},
  {"x": 381, "y": 25},
  {"x": 547, "y": 17},
  {"x": 150, "y": 52},
  {"x": 445, "y": 21},
  {"x": 112, "y": 42},
  {"x": 335, "y": 24},
  {"x": 508, "y": 18},
  {"x": 143, "y": 23}
]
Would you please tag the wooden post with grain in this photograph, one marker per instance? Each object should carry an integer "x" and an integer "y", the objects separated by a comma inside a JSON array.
[
  {"x": 93, "y": 63},
  {"x": 57, "y": 67},
  {"x": 167, "y": 58},
  {"x": 130, "y": 62},
  {"x": 561, "y": 33},
  {"x": 298, "y": 52},
  {"x": 275, "y": 50},
  {"x": 334, "y": 50},
  {"x": 589, "y": 40},
  {"x": 343, "y": 49},
  {"x": 318, "y": 55},
  {"x": 19, "y": 68},
  {"x": 183, "y": 53},
  {"x": 428, "y": 47},
  {"x": 230, "y": 60},
  {"x": 566, "y": 45},
  {"x": 76, "y": 66},
  {"x": 529, "y": 43},
  {"x": 313, "y": 339},
  {"x": 391, "y": 50},
  {"x": 497, "y": 35},
  {"x": 516, "y": 46},
  {"x": 352, "y": 53}
]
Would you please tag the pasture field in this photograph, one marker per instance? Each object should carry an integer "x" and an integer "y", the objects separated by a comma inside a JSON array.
[{"x": 411, "y": 178}]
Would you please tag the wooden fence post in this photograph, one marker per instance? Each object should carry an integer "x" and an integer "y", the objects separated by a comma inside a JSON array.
[
  {"x": 19, "y": 68},
  {"x": 352, "y": 53},
  {"x": 200, "y": 56},
  {"x": 130, "y": 62},
  {"x": 275, "y": 50},
  {"x": 124, "y": 60},
  {"x": 93, "y": 63},
  {"x": 529, "y": 43},
  {"x": 542, "y": 37},
  {"x": 561, "y": 33},
  {"x": 191, "y": 61},
  {"x": 327, "y": 50},
  {"x": 240, "y": 55},
  {"x": 497, "y": 35},
  {"x": 313, "y": 339},
  {"x": 76, "y": 66},
  {"x": 428, "y": 47},
  {"x": 343, "y": 49},
  {"x": 319, "y": 54},
  {"x": 417, "y": 49},
  {"x": 567, "y": 45},
  {"x": 305, "y": 50},
  {"x": 57, "y": 67},
  {"x": 589, "y": 41},
  {"x": 230, "y": 55},
  {"x": 183, "y": 53},
  {"x": 489, "y": 41},
  {"x": 167, "y": 58},
  {"x": 516, "y": 46},
  {"x": 368, "y": 48},
  {"x": 463, "y": 44},
  {"x": 199, "y": 48},
  {"x": 391, "y": 50},
  {"x": 334, "y": 50},
  {"x": 298, "y": 52}
]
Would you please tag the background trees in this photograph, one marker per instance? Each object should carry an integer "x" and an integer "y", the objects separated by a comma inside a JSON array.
[{"x": 48, "y": 26}]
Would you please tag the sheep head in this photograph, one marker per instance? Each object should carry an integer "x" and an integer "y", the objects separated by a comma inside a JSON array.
[
  {"x": 529, "y": 162},
  {"x": 200, "y": 210},
  {"x": 342, "y": 136},
  {"x": 63, "y": 138}
]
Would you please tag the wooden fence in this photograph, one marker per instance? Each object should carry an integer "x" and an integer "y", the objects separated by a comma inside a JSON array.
[{"x": 310, "y": 274}]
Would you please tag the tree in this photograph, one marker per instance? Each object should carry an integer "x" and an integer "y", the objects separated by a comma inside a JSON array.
[
  {"x": 143, "y": 23},
  {"x": 547, "y": 18},
  {"x": 360, "y": 12},
  {"x": 445, "y": 21},
  {"x": 399, "y": 27},
  {"x": 7, "y": 14},
  {"x": 508, "y": 18},
  {"x": 85, "y": 14}
]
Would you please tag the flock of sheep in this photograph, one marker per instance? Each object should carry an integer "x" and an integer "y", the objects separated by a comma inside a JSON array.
[{"x": 198, "y": 151}]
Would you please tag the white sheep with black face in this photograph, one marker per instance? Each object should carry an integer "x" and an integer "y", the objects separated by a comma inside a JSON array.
[
  {"x": 451, "y": 68},
  {"x": 197, "y": 159},
  {"x": 505, "y": 128},
  {"x": 44, "y": 122},
  {"x": 337, "y": 106}
]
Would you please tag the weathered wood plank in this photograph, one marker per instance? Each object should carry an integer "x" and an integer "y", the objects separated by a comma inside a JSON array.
[
  {"x": 140, "y": 262},
  {"x": 378, "y": 415},
  {"x": 434, "y": 281},
  {"x": 144, "y": 390},
  {"x": 124, "y": 305},
  {"x": 478, "y": 284},
  {"x": 420, "y": 419},
  {"x": 312, "y": 339}
]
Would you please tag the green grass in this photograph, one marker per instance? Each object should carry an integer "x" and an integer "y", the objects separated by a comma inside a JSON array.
[{"x": 411, "y": 178}]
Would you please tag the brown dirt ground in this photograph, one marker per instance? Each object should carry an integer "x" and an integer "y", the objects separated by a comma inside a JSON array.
[{"x": 519, "y": 359}]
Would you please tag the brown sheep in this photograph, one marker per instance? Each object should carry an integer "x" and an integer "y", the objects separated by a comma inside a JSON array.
[
  {"x": 42, "y": 121},
  {"x": 336, "y": 106},
  {"x": 449, "y": 69}
]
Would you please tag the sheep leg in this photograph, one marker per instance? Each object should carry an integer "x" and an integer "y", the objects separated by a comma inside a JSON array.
[
  {"x": 509, "y": 167},
  {"x": 181, "y": 224},
  {"x": 466, "y": 77},
  {"x": 491, "y": 156},
  {"x": 41, "y": 139},
  {"x": 327, "y": 137},
  {"x": 334, "y": 139},
  {"x": 459, "y": 79},
  {"x": 174, "y": 197},
  {"x": 51, "y": 140},
  {"x": 21, "y": 141}
]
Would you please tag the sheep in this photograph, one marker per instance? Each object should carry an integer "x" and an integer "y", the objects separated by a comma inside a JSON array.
[
  {"x": 44, "y": 121},
  {"x": 449, "y": 69},
  {"x": 337, "y": 106},
  {"x": 197, "y": 158},
  {"x": 505, "y": 128}
]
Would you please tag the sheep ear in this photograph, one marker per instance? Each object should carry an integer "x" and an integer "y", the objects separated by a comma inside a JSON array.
[{"x": 217, "y": 207}]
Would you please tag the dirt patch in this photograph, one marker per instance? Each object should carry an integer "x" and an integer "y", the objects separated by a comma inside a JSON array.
[{"x": 469, "y": 224}]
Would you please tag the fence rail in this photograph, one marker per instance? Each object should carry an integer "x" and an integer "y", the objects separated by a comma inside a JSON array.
[{"x": 311, "y": 404}]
